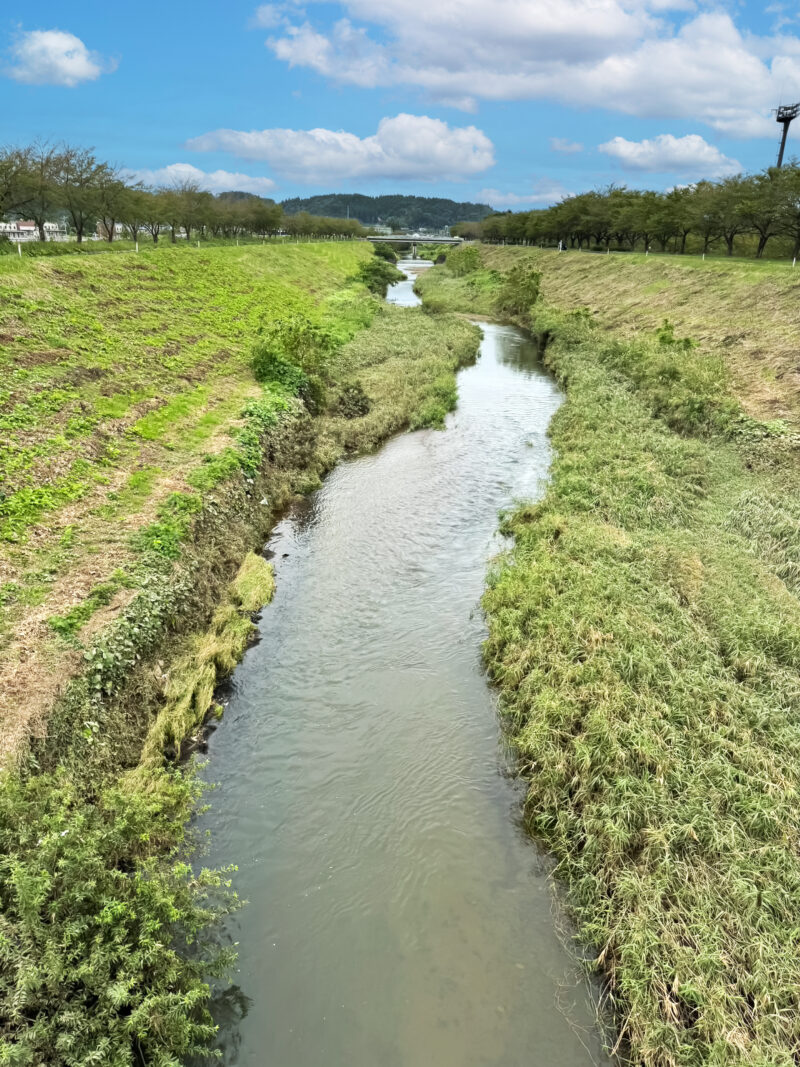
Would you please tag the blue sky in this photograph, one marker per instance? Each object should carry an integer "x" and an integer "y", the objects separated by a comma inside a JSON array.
[{"x": 512, "y": 101}]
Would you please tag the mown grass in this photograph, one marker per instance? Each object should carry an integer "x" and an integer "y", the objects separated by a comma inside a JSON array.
[
  {"x": 644, "y": 631},
  {"x": 744, "y": 311},
  {"x": 124, "y": 379}
]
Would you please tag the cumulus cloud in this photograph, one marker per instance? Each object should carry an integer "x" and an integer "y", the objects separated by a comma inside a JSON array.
[
  {"x": 268, "y": 16},
  {"x": 545, "y": 191},
  {"x": 690, "y": 156},
  {"x": 561, "y": 144},
  {"x": 53, "y": 57},
  {"x": 649, "y": 58},
  {"x": 403, "y": 147},
  {"x": 216, "y": 181}
]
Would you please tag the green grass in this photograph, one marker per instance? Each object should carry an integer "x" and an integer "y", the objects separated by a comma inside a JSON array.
[
  {"x": 644, "y": 631},
  {"x": 114, "y": 364},
  {"x": 649, "y": 660},
  {"x": 186, "y": 459}
]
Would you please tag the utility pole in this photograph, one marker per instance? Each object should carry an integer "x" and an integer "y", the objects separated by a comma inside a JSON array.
[{"x": 785, "y": 116}]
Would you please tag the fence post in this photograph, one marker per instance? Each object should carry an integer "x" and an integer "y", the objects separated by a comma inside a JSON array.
[
  {"x": 19, "y": 248},
  {"x": 137, "y": 246}
]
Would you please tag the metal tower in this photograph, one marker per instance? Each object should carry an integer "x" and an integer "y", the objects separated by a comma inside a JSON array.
[{"x": 785, "y": 115}]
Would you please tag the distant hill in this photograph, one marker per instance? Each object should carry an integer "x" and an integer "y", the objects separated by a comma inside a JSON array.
[
  {"x": 237, "y": 194},
  {"x": 409, "y": 211}
]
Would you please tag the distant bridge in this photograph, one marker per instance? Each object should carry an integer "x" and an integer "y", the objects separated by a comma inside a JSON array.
[{"x": 414, "y": 239}]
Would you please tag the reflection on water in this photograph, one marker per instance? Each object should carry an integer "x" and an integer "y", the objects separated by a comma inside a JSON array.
[
  {"x": 402, "y": 293},
  {"x": 398, "y": 916}
]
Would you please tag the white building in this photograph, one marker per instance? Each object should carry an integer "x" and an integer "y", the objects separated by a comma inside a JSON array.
[{"x": 25, "y": 230}]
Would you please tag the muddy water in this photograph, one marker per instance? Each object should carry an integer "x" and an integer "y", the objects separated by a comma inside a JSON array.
[{"x": 398, "y": 915}]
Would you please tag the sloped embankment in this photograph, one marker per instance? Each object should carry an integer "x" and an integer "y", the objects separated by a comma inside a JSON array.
[
  {"x": 745, "y": 312},
  {"x": 143, "y": 462},
  {"x": 645, "y": 635}
]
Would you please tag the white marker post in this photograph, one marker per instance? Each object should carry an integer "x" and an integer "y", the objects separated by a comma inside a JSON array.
[
  {"x": 137, "y": 246},
  {"x": 19, "y": 248}
]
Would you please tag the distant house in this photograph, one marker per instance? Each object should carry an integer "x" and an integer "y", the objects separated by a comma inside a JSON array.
[
  {"x": 101, "y": 230},
  {"x": 25, "y": 230}
]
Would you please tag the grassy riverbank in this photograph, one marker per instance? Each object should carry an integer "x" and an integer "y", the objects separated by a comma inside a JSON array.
[
  {"x": 645, "y": 634},
  {"x": 744, "y": 311},
  {"x": 143, "y": 460}
]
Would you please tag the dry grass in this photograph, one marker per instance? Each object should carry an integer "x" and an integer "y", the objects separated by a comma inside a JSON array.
[{"x": 748, "y": 313}]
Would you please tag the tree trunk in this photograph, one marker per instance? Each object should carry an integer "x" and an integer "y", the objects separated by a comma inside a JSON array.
[
  {"x": 729, "y": 243},
  {"x": 40, "y": 225},
  {"x": 762, "y": 244}
]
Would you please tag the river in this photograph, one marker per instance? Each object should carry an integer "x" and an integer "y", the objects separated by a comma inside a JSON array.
[{"x": 398, "y": 915}]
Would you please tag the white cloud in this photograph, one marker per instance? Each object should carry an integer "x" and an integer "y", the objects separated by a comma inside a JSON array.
[
  {"x": 650, "y": 58},
  {"x": 545, "y": 191},
  {"x": 690, "y": 156},
  {"x": 403, "y": 147},
  {"x": 562, "y": 144},
  {"x": 268, "y": 16},
  {"x": 53, "y": 57},
  {"x": 217, "y": 181}
]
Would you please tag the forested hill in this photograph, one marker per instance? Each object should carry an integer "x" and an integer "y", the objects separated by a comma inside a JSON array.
[{"x": 408, "y": 211}]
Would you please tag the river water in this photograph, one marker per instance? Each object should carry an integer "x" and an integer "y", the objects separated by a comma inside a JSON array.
[{"x": 398, "y": 916}]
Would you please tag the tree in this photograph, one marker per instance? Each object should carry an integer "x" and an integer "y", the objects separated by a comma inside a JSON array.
[
  {"x": 42, "y": 166},
  {"x": 133, "y": 210},
  {"x": 729, "y": 210},
  {"x": 191, "y": 205},
  {"x": 758, "y": 205},
  {"x": 79, "y": 181},
  {"x": 155, "y": 212},
  {"x": 112, "y": 194},
  {"x": 788, "y": 197},
  {"x": 13, "y": 180},
  {"x": 705, "y": 214}
]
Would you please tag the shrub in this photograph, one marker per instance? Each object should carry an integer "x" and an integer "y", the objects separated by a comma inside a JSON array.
[
  {"x": 290, "y": 348},
  {"x": 313, "y": 394},
  {"x": 519, "y": 291},
  {"x": 272, "y": 366},
  {"x": 378, "y": 275},
  {"x": 463, "y": 260},
  {"x": 98, "y": 901},
  {"x": 385, "y": 252},
  {"x": 352, "y": 402}
]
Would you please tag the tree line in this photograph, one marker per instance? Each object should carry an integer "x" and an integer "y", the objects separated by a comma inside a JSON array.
[
  {"x": 47, "y": 183},
  {"x": 744, "y": 213},
  {"x": 396, "y": 210}
]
